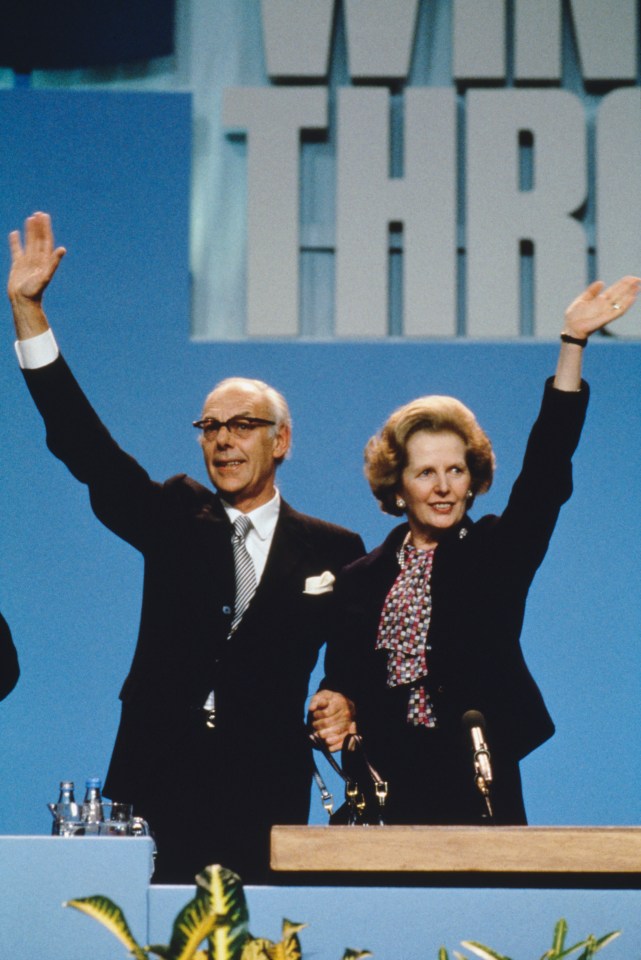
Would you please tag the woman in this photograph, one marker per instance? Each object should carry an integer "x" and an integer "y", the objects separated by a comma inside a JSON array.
[{"x": 430, "y": 621}]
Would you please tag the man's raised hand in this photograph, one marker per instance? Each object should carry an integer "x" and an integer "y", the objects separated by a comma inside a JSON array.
[{"x": 32, "y": 267}]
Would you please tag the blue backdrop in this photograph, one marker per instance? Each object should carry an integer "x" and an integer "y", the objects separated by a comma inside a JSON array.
[{"x": 113, "y": 169}]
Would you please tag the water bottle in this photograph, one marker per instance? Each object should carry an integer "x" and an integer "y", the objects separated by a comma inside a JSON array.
[
  {"x": 92, "y": 812},
  {"x": 66, "y": 810}
]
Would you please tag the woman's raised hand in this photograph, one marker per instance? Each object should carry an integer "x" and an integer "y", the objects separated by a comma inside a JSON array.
[{"x": 599, "y": 305}]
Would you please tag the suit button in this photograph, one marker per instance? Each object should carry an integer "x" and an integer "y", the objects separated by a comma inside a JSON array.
[
  {"x": 227, "y": 610},
  {"x": 440, "y": 689}
]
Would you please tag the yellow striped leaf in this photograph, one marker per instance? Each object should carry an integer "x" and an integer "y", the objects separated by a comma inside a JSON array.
[
  {"x": 110, "y": 916},
  {"x": 192, "y": 926}
]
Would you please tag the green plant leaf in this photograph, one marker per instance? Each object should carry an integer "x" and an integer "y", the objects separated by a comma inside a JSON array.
[
  {"x": 590, "y": 949},
  {"x": 558, "y": 938},
  {"x": 486, "y": 953},
  {"x": 192, "y": 925},
  {"x": 285, "y": 950},
  {"x": 257, "y": 948},
  {"x": 289, "y": 947},
  {"x": 589, "y": 945},
  {"x": 580, "y": 945},
  {"x": 592, "y": 945},
  {"x": 442, "y": 954},
  {"x": 290, "y": 928},
  {"x": 166, "y": 953},
  {"x": 567, "y": 951},
  {"x": 607, "y": 938},
  {"x": 110, "y": 916},
  {"x": 160, "y": 949},
  {"x": 356, "y": 954},
  {"x": 221, "y": 892}
]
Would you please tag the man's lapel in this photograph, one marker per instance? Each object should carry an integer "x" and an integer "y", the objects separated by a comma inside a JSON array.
[
  {"x": 290, "y": 546},
  {"x": 212, "y": 541}
]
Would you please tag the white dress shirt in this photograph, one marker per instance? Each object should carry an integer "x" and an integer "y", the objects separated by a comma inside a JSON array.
[
  {"x": 259, "y": 539},
  {"x": 37, "y": 351}
]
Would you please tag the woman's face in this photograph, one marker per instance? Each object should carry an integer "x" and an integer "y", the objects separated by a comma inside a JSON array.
[{"x": 434, "y": 484}]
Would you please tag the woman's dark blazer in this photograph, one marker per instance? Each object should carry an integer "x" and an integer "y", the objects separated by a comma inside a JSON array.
[{"x": 480, "y": 580}]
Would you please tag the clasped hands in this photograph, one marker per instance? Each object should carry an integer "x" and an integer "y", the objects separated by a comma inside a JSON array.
[{"x": 331, "y": 716}]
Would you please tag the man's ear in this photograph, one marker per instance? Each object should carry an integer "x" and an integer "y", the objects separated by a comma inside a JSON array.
[{"x": 282, "y": 441}]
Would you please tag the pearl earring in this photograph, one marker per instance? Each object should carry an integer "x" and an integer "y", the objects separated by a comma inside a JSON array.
[{"x": 400, "y": 503}]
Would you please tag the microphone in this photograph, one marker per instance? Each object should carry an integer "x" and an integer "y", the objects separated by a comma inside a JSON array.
[{"x": 474, "y": 723}]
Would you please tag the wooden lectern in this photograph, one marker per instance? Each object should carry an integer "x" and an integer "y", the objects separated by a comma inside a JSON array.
[{"x": 527, "y": 856}]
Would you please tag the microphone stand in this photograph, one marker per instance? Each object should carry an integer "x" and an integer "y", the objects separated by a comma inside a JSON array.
[
  {"x": 482, "y": 783},
  {"x": 474, "y": 723}
]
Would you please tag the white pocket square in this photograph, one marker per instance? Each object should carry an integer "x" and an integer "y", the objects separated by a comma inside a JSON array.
[{"x": 321, "y": 584}]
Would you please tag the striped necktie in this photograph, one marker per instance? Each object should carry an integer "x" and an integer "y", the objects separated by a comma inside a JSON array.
[{"x": 244, "y": 568}]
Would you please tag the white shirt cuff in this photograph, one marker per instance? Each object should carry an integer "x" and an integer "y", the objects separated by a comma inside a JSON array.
[{"x": 37, "y": 351}]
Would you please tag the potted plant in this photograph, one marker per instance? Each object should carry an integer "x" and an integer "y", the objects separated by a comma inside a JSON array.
[
  {"x": 217, "y": 916},
  {"x": 558, "y": 950}
]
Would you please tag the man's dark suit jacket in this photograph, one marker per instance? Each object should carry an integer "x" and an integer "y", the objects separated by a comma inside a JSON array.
[
  {"x": 9, "y": 669},
  {"x": 211, "y": 796},
  {"x": 481, "y": 575}
]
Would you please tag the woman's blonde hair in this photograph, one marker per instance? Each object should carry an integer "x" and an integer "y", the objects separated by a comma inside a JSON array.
[{"x": 386, "y": 452}]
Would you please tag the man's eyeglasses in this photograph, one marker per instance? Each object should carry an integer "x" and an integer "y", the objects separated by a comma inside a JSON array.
[{"x": 238, "y": 426}]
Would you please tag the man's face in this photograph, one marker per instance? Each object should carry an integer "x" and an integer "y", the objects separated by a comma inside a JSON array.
[{"x": 243, "y": 468}]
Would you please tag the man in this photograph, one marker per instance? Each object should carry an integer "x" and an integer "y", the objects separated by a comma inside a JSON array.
[{"x": 211, "y": 748}]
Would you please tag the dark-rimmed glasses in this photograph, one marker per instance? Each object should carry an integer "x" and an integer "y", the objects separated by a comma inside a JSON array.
[{"x": 239, "y": 427}]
